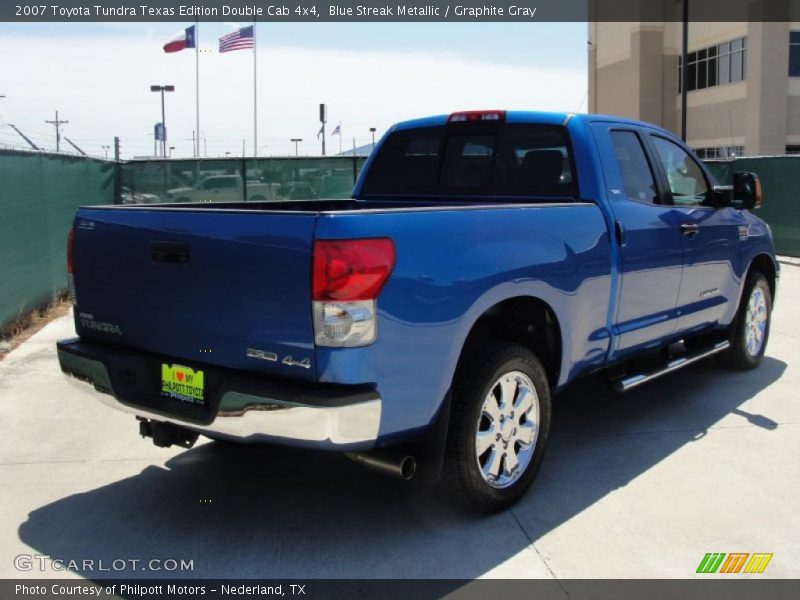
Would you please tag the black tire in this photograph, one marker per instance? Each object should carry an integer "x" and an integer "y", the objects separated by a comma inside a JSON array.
[
  {"x": 479, "y": 371},
  {"x": 738, "y": 356}
]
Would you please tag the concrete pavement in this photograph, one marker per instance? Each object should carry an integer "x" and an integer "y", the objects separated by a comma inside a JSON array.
[{"x": 639, "y": 485}]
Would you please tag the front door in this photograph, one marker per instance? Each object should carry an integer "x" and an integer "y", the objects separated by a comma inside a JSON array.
[{"x": 710, "y": 236}]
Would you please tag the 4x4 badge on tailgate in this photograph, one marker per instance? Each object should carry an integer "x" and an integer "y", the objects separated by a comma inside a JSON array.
[{"x": 288, "y": 360}]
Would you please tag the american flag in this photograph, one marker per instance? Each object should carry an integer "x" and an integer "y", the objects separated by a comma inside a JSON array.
[
  {"x": 338, "y": 130},
  {"x": 238, "y": 40}
]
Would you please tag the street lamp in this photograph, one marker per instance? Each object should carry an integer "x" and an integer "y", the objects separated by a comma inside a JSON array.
[
  {"x": 372, "y": 130},
  {"x": 171, "y": 148},
  {"x": 106, "y": 149},
  {"x": 296, "y": 141},
  {"x": 162, "y": 89}
]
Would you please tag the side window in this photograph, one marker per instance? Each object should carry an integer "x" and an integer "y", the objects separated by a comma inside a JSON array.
[
  {"x": 686, "y": 180},
  {"x": 637, "y": 178}
]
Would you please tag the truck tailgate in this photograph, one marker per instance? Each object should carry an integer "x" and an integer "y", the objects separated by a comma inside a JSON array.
[{"x": 224, "y": 287}]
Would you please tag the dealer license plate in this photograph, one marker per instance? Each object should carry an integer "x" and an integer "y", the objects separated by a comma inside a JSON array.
[{"x": 182, "y": 383}]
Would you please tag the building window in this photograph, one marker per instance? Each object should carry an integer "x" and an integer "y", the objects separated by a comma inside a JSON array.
[
  {"x": 794, "y": 54},
  {"x": 718, "y": 65},
  {"x": 721, "y": 152}
]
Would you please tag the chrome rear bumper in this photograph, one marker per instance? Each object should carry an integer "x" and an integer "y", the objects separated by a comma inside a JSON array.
[{"x": 345, "y": 418}]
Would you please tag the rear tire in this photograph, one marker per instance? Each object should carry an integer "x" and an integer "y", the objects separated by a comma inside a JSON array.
[
  {"x": 750, "y": 330},
  {"x": 499, "y": 426}
]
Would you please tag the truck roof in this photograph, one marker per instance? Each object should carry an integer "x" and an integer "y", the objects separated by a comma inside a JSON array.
[{"x": 525, "y": 116}]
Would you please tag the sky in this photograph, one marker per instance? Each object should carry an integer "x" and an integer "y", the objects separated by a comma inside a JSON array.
[{"x": 98, "y": 77}]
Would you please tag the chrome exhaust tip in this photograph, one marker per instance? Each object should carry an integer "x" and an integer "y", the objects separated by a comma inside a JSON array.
[{"x": 400, "y": 466}]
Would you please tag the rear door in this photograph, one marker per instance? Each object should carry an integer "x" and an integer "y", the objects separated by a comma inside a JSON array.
[
  {"x": 648, "y": 230},
  {"x": 222, "y": 286},
  {"x": 710, "y": 238}
]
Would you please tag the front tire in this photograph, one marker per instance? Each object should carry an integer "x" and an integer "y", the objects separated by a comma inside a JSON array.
[
  {"x": 750, "y": 329},
  {"x": 499, "y": 426}
]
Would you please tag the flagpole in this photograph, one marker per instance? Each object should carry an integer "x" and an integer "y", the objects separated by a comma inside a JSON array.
[
  {"x": 197, "y": 83},
  {"x": 255, "y": 95},
  {"x": 340, "y": 137}
]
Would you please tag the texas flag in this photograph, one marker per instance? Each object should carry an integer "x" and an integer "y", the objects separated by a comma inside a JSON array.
[{"x": 182, "y": 41}]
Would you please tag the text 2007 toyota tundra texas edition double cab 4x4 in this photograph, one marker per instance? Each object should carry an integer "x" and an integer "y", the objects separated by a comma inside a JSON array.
[{"x": 487, "y": 259}]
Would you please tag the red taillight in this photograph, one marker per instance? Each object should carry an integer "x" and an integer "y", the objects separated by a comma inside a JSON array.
[
  {"x": 349, "y": 270},
  {"x": 472, "y": 116},
  {"x": 69, "y": 252}
]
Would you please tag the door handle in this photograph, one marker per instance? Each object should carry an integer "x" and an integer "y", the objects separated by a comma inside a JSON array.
[
  {"x": 689, "y": 229},
  {"x": 175, "y": 253}
]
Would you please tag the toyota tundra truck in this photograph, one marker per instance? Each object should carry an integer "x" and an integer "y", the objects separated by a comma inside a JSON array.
[{"x": 485, "y": 260}]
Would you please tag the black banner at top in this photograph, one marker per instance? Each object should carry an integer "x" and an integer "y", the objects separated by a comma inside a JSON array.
[{"x": 396, "y": 10}]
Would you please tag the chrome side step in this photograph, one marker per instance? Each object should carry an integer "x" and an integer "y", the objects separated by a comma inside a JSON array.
[{"x": 628, "y": 382}]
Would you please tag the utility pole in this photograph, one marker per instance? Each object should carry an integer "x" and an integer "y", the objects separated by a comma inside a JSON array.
[
  {"x": 57, "y": 123},
  {"x": 323, "y": 118},
  {"x": 684, "y": 66},
  {"x": 116, "y": 148}
]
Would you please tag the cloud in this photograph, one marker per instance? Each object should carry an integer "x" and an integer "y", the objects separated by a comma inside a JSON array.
[{"x": 101, "y": 85}]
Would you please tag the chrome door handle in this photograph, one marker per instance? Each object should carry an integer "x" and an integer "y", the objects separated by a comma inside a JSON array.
[{"x": 689, "y": 229}]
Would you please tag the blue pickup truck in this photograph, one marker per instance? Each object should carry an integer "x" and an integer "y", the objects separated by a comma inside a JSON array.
[{"x": 485, "y": 260}]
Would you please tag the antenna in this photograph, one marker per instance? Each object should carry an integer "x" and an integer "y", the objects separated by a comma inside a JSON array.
[{"x": 57, "y": 123}]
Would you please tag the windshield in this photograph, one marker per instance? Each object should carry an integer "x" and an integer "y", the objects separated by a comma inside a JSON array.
[{"x": 513, "y": 159}]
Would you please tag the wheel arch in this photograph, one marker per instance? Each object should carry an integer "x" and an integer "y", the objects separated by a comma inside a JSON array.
[
  {"x": 766, "y": 265},
  {"x": 525, "y": 320}
]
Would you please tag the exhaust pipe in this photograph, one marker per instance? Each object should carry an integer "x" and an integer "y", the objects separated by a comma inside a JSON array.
[{"x": 401, "y": 466}]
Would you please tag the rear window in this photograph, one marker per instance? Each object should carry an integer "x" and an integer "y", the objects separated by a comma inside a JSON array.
[{"x": 506, "y": 160}]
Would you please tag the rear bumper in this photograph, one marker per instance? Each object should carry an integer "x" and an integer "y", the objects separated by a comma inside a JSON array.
[{"x": 239, "y": 406}]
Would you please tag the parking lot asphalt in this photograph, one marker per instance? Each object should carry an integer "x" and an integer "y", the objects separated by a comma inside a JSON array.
[{"x": 639, "y": 485}]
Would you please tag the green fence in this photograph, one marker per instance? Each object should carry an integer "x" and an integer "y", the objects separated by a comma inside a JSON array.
[
  {"x": 39, "y": 194},
  {"x": 781, "y": 186},
  {"x": 237, "y": 179},
  {"x": 38, "y": 197}
]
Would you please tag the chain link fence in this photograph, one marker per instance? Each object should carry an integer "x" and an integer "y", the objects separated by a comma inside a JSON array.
[
  {"x": 38, "y": 197},
  {"x": 781, "y": 208},
  {"x": 237, "y": 179},
  {"x": 39, "y": 194}
]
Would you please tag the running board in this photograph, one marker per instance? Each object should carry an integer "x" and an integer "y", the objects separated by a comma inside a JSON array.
[{"x": 628, "y": 382}]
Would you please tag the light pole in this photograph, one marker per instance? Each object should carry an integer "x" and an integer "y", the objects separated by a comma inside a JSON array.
[
  {"x": 106, "y": 149},
  {"x": 162, "y": 89},
  {"x": 171, "y": 148},
  {"x": 372, "y": 130},
  {"x": 296, "y": 141}
]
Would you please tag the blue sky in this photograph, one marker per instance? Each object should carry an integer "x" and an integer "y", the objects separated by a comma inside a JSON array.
[
  {"x": 369, "y": 74},
  {"x": 545, "y": 44}
]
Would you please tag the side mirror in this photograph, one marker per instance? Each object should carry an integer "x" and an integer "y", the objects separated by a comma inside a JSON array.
[{"x": 746, "y": 191}]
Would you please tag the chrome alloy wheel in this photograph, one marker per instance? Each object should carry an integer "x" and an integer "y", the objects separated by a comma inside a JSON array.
[
  {"x": 755, "y": 322},
  {"x": 508, "y": 427}
]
